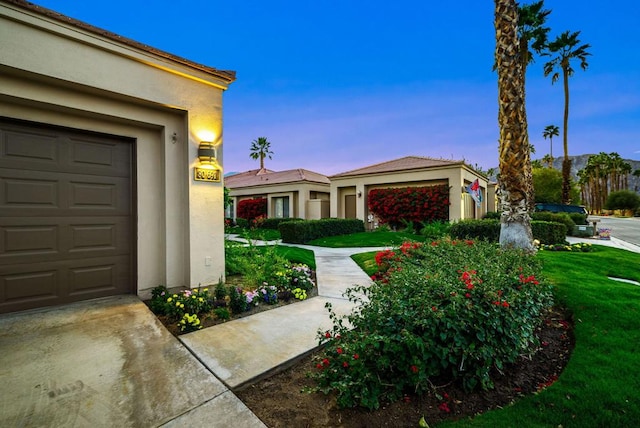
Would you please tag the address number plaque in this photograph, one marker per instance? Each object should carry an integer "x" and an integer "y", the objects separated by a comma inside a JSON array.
[{"x": 205, "y": 174}]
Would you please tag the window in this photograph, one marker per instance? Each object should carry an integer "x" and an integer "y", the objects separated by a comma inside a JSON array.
[{"x": 281, "y": 207}]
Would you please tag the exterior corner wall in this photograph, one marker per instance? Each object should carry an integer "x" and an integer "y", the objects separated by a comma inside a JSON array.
[{"x": 54, "y": 74}]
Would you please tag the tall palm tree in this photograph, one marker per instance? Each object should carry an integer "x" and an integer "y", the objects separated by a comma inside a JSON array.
[
  {"x": 260, "y": 149},
  {"x": 566, "y": 47},
  {"x": 531, "y": 34},
  {"x": 550, "y": 131},
  {"x": 515, "y": 223}
]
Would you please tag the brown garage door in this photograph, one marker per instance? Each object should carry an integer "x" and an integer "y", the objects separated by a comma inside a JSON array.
[{"x": 66, "y": 230}]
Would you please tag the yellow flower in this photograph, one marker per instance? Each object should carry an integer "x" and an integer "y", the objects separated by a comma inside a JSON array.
[
  {"x": 205, "y": 290},
  {"x": 169, "y": 300}
]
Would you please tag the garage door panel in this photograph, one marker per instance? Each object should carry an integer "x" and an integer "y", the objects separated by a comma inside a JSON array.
[
  {"x": 35, "y": 285},
  {"x": 29, "y": 147},
  {"x": 43, "y": 193},
  {"x": 24, "y": 240},
  {"x": 102, "y": 277},
  {"x": 29, "y": 241},
  {"x": 29, "y": 192},
  {"x": 28, "y": 289}
]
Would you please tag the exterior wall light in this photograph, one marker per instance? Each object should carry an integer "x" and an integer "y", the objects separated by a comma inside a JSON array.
[
  {"x": 359, "y": 193},
  {"x": 209, "y": 169}
]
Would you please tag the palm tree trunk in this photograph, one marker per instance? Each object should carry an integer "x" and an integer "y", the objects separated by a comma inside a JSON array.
[
  {"x": 566, "y": 162},
  {"x": 515, "y": 230}
]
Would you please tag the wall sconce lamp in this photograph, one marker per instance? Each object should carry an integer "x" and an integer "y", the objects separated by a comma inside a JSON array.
[
  {"x": 207, "y": 153},
  {"x": 209, "y": 169},
  {"x": 359, "y": 193}
]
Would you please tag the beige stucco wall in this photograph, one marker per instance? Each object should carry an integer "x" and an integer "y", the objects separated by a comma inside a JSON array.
[
  {"x": 299, "y": 194},
  {"x": 360, "y": 186},
  {"x": 58, "y": 74}
]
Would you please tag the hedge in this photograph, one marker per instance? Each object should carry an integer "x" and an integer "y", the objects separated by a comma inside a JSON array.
[
  {"x": 544, "y": 231},
  {"x": 303, "y": 231},
  {"x": 555, "y": 217},
  {"x": 274, "y": 223}
]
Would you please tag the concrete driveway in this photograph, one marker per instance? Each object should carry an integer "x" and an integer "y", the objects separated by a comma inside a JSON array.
[{"x": 106, "y": 363}]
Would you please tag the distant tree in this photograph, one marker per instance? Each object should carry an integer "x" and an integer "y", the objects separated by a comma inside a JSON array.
[
  {"x": 604, "y": 173},
  {"x": 625, "y": 200},
  {"x": 565, "y": 48},
  {"x": 260, "y": 149},
  {"x": 548, "y": 186},
  {"x": 636, "y": 173},
  {"x": 227, "y": 198},
  {"x": 550, "y": 131},
  {"x": 515, "y": 186}
]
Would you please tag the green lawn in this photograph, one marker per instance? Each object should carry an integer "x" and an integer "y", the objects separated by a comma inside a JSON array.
[
  {"x": 297, "y": 255},
  {"x": 366, "y": 239},
  {"x": 259, "y": 234},
  {"x": 600, "y": 386}
]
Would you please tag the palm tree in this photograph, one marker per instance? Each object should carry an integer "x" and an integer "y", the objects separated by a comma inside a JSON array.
[
  {"x": 550, "y": 131},
  {"x": 565, "y": 47},
  {"x": 515, "y": 223},
  {"x": 260, "y": 149},
  {"x": 531, "y": 33}
]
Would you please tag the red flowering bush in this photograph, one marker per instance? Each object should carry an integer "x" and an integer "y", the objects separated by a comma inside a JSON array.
[
  {"x": 445, "y": 311},
  {"x": 250, "y": 209},
  {"x": 410, "y": 204}
]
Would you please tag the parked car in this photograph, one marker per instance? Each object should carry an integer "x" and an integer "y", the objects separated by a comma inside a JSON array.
[{"x": 561, "y": 208}]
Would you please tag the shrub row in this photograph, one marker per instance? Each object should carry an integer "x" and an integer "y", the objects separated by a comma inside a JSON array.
[
  {"x": 274, "y": 223},
  {"x": 546, "y": 232},
  {"x": 568, "y": 219},
  {"x": 303, "y": 231}
]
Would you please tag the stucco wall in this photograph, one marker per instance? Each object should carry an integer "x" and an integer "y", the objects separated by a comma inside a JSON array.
[
  {"x": 360, "y": 185},
  {"x": 299, "y": 194},
  {"x": 55, "y": 73}
]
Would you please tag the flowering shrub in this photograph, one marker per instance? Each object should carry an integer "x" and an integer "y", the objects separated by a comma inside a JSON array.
[
  {"x": 410, "y": 204},
  {"x": 449, "y": 310},
  {"x": 579, "y": 247},
  {"x": 249, "y": 209},
  {"x": 189, "y": 301},
  {"x": 299, "y": 293},
  {"x": 268, "y": 293},
  {"x": 189, "y": 323},
  {"x": 300, "y": 277}
]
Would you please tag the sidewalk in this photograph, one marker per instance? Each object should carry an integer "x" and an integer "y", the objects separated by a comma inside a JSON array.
[{"x": 613, "y": 242}]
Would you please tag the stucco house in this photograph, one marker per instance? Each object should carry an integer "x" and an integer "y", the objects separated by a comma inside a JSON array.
[
  {"x": 295, "y": 193},
  {"x": 350, "y": 189},
  {"x": 109, "y": 163}
]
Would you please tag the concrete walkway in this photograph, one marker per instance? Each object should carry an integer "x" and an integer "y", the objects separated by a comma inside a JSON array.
[
  {"x": 243, "y": 350},
  {"x": 106, "y": 363}
]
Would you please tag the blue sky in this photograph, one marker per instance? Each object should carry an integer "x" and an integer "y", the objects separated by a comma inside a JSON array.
[{"x": 336, "y": 85}]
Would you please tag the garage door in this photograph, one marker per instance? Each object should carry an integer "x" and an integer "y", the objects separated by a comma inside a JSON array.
[{"x": 66, "y": 230}]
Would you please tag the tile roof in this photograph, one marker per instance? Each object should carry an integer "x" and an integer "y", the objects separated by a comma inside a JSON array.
[
  {"x": 225, "y": 75},
  {"x": 401, "y": 164},
  {"x": 257, "y": 177}
]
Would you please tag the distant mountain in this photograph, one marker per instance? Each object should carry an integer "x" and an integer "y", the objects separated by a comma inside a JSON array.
[{"x": 580, "y": 161}]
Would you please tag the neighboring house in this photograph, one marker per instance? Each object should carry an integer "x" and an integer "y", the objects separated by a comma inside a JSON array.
[
  {"x": 296, "y": 193},
  {"x": 99, "y": 144},
  {"x": 349, "y": 189}
]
